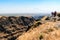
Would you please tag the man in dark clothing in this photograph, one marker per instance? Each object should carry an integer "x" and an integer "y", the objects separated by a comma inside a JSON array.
[
  {"x": 55, "y": 14},
  {"x": 52, "y": 14}
]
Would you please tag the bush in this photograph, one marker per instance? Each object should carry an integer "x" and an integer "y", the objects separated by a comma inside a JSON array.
[
  {"x": 37, "y": 24},
  {"x": 58, "y": 15},
  {"x": 47, "y": 18},
  {"x": 41, "y": 37},
  {"x": 50, "y": 30}
]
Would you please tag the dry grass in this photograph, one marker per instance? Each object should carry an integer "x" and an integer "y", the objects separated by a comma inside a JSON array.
[{"x": 46, "y": 31}]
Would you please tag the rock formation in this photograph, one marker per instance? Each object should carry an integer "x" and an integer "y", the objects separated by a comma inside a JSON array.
[{"x": 11, "y": 27}]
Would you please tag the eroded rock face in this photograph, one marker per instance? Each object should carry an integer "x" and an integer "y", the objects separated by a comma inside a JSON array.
[{"x": 11, "y": 27}]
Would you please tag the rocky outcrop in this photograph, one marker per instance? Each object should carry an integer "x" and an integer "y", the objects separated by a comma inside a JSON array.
[{"x": 11, "y": 27}]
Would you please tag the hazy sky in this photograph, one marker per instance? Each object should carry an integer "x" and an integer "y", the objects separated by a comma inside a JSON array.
[{"x": 29, "y": 6}]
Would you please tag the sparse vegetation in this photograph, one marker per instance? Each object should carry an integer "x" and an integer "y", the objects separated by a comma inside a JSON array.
[
  {"x": 38, "y": 30},
  {"x": 47, "y": 18},
  {"x": 37, "y": 24},
  {"x": 58, "y": 15},
  {"x": 40, "y": 36},
  {"x": 46, "y": 31},
  {"x": 50, "y": 30}
]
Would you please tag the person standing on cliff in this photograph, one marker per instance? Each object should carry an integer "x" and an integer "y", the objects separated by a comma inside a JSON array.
[
  {"x": 52, "y": 14},
  {"x": 55, "y": 13}
]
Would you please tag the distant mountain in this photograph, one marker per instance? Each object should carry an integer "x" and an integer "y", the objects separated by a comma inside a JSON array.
[
  {"x": 24, "y": 14},
  {"x": 39, "y": 16}
]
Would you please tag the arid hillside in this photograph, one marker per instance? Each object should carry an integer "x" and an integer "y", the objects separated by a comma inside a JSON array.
[
  {"x": 27, "y": 28},
  {"x": 11, "y": 27},
  {"x": 46, "y": 31}
]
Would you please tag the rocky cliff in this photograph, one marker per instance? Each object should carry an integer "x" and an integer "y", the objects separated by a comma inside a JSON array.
[{"x": 11, "y": 27}]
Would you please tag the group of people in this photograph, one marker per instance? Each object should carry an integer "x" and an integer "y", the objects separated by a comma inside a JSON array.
[{"x": 54, "y": 14}]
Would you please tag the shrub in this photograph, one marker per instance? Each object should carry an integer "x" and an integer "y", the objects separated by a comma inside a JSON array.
[
  {"x": 50, "y": 30},
  {"x": 58, "y": 15},
  {"x": 37, "y": 24},
  {"x": 41, "y": 37}
]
